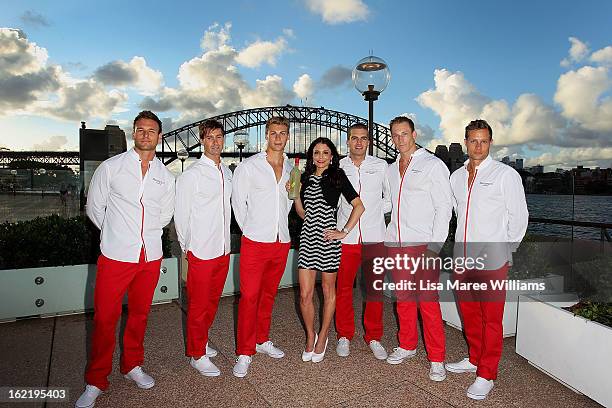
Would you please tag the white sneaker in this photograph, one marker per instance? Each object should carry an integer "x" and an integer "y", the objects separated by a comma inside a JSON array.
[
  {"x": 463, "y": 366},
  {"x": 211, "y": 352},
  {"x": 399, "y": 355},
  {"x": 379, "y": 351},
  {"x": 480, "y": 388},
  {"x": 142, "y": 379},
  {"x": 437, "y": 372},
  {"x": 205, "y": 366},
  {"x": 241, "y": 368},
  {"x": 343, "y": 349},
  {"x": 88, "y": 397},
  {"x": 269, "y": 349}
]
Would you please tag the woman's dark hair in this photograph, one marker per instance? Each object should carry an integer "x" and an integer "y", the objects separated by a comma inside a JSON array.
[{"x": 333, "y": 171}]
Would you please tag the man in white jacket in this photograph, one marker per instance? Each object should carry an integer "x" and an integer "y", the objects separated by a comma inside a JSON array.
[
  {"x": 130, "y": 198},
  {"x": 492, "y": 218},
  {"x": 422, "y": 207},
  {"x": 202, "y": 219},
  {"x": 367, "y": 174},
  {"x": 261, "y": 206}
]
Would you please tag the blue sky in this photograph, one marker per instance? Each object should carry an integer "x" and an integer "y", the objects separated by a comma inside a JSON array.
[{"x": 512, "y": 63}]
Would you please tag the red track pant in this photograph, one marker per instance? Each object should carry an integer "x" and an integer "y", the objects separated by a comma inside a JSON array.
[
  {"x": 483, "y": 315},
  {"x": 261, "y": 269},
  {"x": 205, "y": 281},
  {"x": 428, "y": 305},
  {"x": 113, "y": 279},
  {"x": 345, "y": 315}
]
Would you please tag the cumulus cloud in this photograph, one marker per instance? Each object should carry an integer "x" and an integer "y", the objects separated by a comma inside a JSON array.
[
  {"x": 335, "y": 76},
  {"x": 261, "y": 52},
  {"x": 136, "y": 73},
  {"x": 211, "y": 83},
  {"x": 571, "y": 157},
  {"x": 85, "y": 99},
  {"x": 603, "y": 56},
  {"x": 24, "y": 74},
  {"x": 216, "y": 36},
  {"x": 339, "y": 11},
  {"x": 577, "y": 52},
  {"x": 51, "y": 144},
  {"x": 304, "y": 87},
  {"x": 579, "y": 93},
  {"x": 585, "y": 118},
  {"x": 34, "y": 19}
]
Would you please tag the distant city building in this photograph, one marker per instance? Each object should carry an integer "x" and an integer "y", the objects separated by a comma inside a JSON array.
[
  {"x": 537, "y": 169},
  {"x": 506, "y": 160},
  {"x": 456, "y": 156},
  {"x": 519, "y": 164},
  {"x": 442, "y": 154},
  {"x": 95, "y": 146}
]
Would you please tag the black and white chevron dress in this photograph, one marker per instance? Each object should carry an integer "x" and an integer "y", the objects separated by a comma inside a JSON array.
[{"x": 315, "y": 252}]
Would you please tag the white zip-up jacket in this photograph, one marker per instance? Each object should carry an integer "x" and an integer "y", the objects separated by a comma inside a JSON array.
[
  {"x": 491, "y": 211},
  {"x": 370, "y": 182},
  {"x": 129, "y": 209},
  {"x": 261, "y": 205},
  {"x": 422, "y": 202},
  {"x": 203, "y": 211}
]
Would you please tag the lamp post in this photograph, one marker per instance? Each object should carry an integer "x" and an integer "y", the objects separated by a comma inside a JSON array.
[
  {"x": 14, "y": 186},
  {"x": 182, "y": 155},
  {"x": 371, "y": 76},
  {"x": 241, "y": 139}
]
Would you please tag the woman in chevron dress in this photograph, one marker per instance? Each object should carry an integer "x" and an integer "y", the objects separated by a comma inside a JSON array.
[{"x": 322, "y": 184}]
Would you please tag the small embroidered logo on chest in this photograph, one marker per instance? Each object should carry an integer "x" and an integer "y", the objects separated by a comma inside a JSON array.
[
  {"x": 158, "y": 181},
  {"x": 416, "y": 171},
  {"x": 486, "y": 183}
]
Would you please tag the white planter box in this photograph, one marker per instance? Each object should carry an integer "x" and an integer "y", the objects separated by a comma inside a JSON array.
[
  {"x": 65, "y": 289},
  {"x": 575, "y": 351},
  {"x": 450, "y": 312}
]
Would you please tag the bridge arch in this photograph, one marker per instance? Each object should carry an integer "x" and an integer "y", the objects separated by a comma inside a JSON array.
[{"x": 307, "y": 123}]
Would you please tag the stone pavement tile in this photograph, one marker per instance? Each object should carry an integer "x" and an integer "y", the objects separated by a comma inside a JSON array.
[
  {"x": 25, "y": 349},
  {"x": 69, "y": 357},
  {"x": 391, "y": 395}
]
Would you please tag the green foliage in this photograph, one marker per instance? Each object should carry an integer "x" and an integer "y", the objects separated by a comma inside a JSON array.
[
  {"x": 597, "y": 312},
  {"x": 53, "y": 241}
]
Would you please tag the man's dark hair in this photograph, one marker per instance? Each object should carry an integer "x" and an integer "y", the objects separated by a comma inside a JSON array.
[
  {"x": 357, "y": 125},
  {"x": 147, "y": 115},
  {"x": 208, "y": 126},
  {"x": 401, "y": 119},
  {"x": 478, "y": 124}
]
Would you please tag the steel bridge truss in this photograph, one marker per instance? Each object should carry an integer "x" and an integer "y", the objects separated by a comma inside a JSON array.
[
  {"x": 57, "y": 158},
  {"x": 307, "y": 123}
]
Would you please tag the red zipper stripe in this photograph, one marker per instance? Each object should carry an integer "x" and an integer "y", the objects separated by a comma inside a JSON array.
[
  {"x": 399, "y": 198},
  {"x": 142, "y": 229},
  {"x": 467, "y": 209},
  {"x": 359, "y": 221},
  {"x": 223, "y": 205}
]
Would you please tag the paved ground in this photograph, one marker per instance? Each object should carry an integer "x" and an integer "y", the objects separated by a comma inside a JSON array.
[
  {"x": 26, "y": 207},
  {"x": 52, "y": 352}
]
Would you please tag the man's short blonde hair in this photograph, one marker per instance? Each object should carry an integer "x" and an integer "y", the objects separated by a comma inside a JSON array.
[{"x": 277, "y": 120}]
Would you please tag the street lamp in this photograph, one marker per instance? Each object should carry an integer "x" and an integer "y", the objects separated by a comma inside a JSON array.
[
  {"x": 182, "y": 155},
  {"x": 371, "y": 76},
  {"x": 241, "y": 139}
]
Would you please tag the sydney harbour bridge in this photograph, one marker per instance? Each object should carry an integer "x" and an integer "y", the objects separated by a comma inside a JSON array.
[{"x": 307, "y": 123}]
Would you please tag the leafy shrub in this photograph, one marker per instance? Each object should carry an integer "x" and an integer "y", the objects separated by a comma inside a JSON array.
[
  {"x": 598, "y": 312},
  {"x": 53, "y": 241}
]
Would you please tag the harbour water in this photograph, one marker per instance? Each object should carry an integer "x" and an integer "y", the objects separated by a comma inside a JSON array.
[{"x": 561, "y": 207}]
